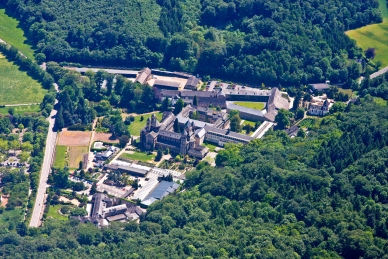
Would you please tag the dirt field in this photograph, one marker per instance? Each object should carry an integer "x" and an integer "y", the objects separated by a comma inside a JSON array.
[
  {"x": 74, "y": 138},
  {"x": 76, "y": 155},
  {"x": 104, "y": 137}
]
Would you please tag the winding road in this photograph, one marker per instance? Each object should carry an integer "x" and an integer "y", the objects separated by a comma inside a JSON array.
[{"x": 37, "y": 213}]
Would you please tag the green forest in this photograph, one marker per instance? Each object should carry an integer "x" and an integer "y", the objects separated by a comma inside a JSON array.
[{"x": 253, "y": 41}]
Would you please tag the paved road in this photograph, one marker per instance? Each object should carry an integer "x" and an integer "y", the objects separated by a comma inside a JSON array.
[
  {"x": 378, "y": 73},
  {"x": 46, "y": 168}
]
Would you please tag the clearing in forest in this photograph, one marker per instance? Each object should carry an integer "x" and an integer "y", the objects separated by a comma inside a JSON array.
[
  {"x": 16, "y": 86},
  {"x": 374, "y": 36}
]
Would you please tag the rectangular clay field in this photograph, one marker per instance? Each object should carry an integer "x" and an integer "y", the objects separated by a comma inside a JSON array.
[{"x": 74, "y": 138}]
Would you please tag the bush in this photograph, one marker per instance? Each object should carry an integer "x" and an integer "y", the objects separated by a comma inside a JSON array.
[
  {"x": 80, "y": 127},
  {"x": 78, "y": 212},
  {"x": 65, "y": 209}
]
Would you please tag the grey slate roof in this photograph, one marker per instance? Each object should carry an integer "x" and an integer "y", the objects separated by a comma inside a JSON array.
[
  {"x": 169, "y": 134},
  {"x": 320, "y": 86},
  {"x": 228, "y": 133},
  {"x": 192, "y": 81}
]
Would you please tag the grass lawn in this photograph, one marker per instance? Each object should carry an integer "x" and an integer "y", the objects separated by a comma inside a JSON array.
[
  {"x": 76, "y": 155},
  {"x": 55, "y": 214},
  {"x": 143, "y": 157},
  {"x": 11, "y": 33},
  {"x": 346, "y": 91},
  {"x": 247, "y": 122},
  {"x": 210, "y": 146},
  {"x": 60, "y": 157},
  {"x": 252, "y": 105},
  {"x": 16, "y": 86},
  {"x": 21, "y": 109},
  {"x": 374, "y": 36},
  {"x": 308, "y": 123},
  {"x": 137, "y": 125}
]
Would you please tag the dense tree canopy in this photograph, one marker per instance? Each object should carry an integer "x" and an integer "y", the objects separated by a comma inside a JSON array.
[{"x": 288, "y": 42}]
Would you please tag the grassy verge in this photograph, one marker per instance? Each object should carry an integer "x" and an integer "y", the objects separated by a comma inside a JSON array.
[
  {"x": 60, "y": 157},
  {"x": 252, "y": 105},
  {"x": 11, "y": 33},
  {"x": 143, "y": 157},
  {"x": 374, "y": 36},
  {"x": 20, "y": 110},
  {"x": 137, "y": 125},
  {"x": 16, "y": 86}
]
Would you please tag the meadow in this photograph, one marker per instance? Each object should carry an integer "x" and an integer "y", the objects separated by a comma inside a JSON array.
[
  {"x": 137, "y": 125},
  {"x": 374, "y": 36},
  {"x": 60, "y": 157},
  {"x": 20, "y": 110},
  {"x": 11, "y": 33},
  {"x": 16, "y": 87}
]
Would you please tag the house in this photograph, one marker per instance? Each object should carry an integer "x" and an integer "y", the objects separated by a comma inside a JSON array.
[
  {"x": 320, "y": 87},
  {"x": 143, "y": 76},
  {"x": 292, "y": 131},
  {"x": 319, "y": 109},
  {"x": 192, "y": 83}
]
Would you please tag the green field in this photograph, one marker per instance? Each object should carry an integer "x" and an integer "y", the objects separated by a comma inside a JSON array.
[
  {"x": 137, "y": 125},
  {"x": 11, "y": 33},
  {"x": 374, "y": 36},
  {"x": 55, "y": 214},
  {"x": 252, "y": 105},
  {"x": 20, "y": 110},
  {"x": 143, "y": 157},
  {"x": 16, "y": 87},
  {"x": 60, "y": 157}
]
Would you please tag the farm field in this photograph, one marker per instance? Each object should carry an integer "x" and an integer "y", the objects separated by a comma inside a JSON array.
[
  {"x": 252, "y": 105},
  {"x": 20, "y": 110},
  {"x": 74, "y": 138},
  {"x": 374, "y": 36},
  {"x": 16, "y": 86},
  {"x": 137, "y": 125},
  {"x": 139, "y": 156},
  {"x": 60, "y": 157},
  {"x": 11, "y": 33}
]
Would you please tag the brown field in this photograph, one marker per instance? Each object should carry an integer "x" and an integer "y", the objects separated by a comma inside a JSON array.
[
  {"x": 74, "y": 138},
  {"x": 104, "y": 137},
  {"x": 76, "y": 155}
]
